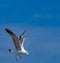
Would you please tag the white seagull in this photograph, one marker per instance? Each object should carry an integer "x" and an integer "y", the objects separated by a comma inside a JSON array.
[{"x": 18, "y": 42}]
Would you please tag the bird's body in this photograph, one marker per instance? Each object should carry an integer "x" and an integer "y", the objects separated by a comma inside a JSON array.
[
  {"x": 18, "y": 52},
  {"x": 18, "y": 42}
]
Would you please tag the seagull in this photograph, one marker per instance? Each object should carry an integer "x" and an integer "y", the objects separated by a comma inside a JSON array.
[{"x": 18, "y": 42}]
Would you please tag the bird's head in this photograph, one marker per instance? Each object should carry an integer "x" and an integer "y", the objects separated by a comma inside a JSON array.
[{"x": 9, "y": 50}]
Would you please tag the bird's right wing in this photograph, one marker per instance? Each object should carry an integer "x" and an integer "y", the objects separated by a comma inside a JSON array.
[
  {"x": 15, "y": 39},
  {"x": 21, "y": 39}
]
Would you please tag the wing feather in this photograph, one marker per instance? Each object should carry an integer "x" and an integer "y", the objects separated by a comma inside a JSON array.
[
  {"x": 21, "y": 38},
  {"x": 15, "y": 39}
]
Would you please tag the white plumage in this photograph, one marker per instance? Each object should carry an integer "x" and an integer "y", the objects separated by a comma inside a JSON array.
[{"x": 18, "y": 42}]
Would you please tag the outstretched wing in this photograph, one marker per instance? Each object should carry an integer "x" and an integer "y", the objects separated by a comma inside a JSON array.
[
  {"x": 15, "y": 39},
  {"x": 22, "y": 38},
  {"x": 23, "y": 33}
]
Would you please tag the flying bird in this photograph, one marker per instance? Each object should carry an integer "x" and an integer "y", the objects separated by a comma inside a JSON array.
[{"x": 19, "y": 44}]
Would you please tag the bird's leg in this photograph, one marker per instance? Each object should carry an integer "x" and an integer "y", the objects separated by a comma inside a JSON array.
[
  {"x": 16, "y": 58},
  {"x": 20, "y": 57}
]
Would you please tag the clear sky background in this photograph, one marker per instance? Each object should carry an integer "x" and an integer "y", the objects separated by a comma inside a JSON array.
[{"x": 41, "y": 19}]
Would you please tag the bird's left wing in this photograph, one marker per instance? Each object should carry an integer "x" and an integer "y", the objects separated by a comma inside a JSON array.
[{"x": 15, "y": 38}]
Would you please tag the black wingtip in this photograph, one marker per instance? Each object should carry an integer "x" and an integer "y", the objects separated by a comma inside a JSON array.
[{"x": 7, "y": 30}]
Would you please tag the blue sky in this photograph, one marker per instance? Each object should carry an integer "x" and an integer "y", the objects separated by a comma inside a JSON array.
[{"x": 41, "y": 19}]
